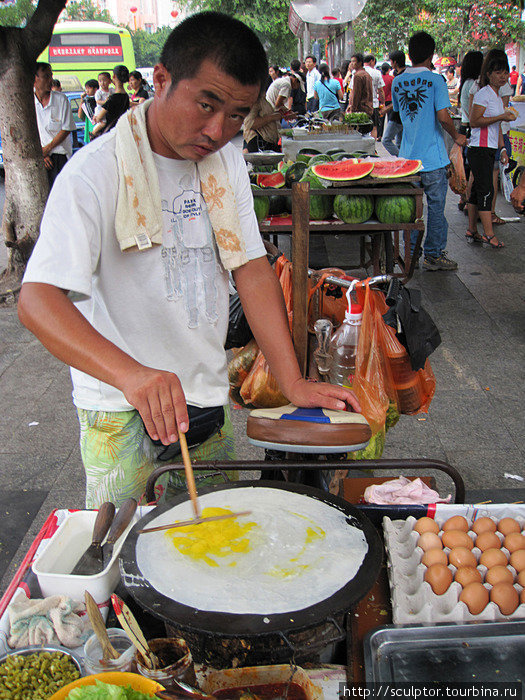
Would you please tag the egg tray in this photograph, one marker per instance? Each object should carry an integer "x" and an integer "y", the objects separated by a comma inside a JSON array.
[{"x": 413, "y": 600}]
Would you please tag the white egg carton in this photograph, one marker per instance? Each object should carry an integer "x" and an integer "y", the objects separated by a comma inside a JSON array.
[{"x": 413, "y": 600}]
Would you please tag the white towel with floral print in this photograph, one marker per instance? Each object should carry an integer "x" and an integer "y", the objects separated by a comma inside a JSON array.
[{"x": 138, "y": 220}]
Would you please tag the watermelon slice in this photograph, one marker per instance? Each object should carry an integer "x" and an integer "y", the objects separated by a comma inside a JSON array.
[
  {"x": 343, "y": 170},
  {"x": 387, "y": 169},
  {"x": 270, "y": 179}
]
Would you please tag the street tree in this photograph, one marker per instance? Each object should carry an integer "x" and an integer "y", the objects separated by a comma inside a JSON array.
[
  {"x": 83, "y": 10},
  {"x": 148, "y": 46},
  {"x": 26, "y": 184},
  {"x": 267, "y": 18}
]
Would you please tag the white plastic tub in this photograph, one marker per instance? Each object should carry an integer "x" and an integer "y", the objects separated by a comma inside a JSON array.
[{"x": 62, "y": 553}]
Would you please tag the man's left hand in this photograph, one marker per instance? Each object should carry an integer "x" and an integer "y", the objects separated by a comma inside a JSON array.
[
  {"x": 323, "y": 395},
  {"x": 48, "y": 163},
  {"x": 461, "y": 140},
  {"x": 46, "y": 150}
]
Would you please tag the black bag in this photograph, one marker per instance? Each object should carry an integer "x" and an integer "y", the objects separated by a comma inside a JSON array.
[
  {"x": 204, "y": 422},
  {"x": 419, "y": 333},
  {"x": 239, "y": 332}
]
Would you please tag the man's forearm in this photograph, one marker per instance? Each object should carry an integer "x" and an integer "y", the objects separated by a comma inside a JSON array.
[
  {"x": 59, "y": 138},
  {"x": 262, "y": 300}
]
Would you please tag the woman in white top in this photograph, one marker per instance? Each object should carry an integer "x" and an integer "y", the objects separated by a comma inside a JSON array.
[
  {"x": 470, "y": 70},
  {"x": 486, "y": 116}
]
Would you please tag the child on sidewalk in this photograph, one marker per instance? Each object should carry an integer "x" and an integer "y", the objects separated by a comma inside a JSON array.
[
  {"x": 87, "y": 107},
  {"x": 101, "y": 97}
]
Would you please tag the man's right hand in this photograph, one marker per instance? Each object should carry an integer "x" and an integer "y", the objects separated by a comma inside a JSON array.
[
  {"x": 158, "y": 397},
  {"x": 461, "y": 140}
]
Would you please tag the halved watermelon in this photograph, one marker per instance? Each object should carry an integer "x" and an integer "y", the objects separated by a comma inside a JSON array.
[
  {"x": 343, "y": 170},
  {"x": 387, "y": 169},
  {"x": 270, "y": 180}
]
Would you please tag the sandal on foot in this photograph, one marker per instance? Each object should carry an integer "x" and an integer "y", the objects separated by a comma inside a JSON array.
[
  {"x": 473, "y": 237},
  {"x": 488, "y": 241},
  {"x": 497, "y": 220}
]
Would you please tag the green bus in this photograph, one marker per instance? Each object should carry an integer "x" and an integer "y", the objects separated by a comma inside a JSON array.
[{"x": 79, "y": 51}]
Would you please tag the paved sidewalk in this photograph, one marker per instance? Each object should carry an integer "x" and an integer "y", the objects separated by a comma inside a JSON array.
[{"x": 476, "y": 421}]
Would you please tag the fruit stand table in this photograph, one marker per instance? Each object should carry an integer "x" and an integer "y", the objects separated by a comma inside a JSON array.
[{"x": 384, "y": 250}]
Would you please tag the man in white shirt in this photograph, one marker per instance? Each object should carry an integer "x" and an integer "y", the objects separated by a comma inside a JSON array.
[
  {"x": 55, "y": 122},
  {"x": 312, "y": 76},
  {"x": 145, "y": 336},
  {"x": 280, "y": 91},
  {"x": 377, "y": 84}
]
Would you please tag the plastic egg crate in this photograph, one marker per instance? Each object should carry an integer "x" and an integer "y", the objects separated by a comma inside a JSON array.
[{"x": 413, "y": 600}]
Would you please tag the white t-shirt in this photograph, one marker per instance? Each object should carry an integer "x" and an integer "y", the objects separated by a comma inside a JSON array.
[
  {"x": 504, "y": 91},
  {"x": 377, "y": 83},
  {"x": 487, "y": 136},
  {"x": 312, "y": 76},
  {"x": 53, "y": 118},
  {"x": 166, "y": 306},
  {"x": 280, "y": 86}
]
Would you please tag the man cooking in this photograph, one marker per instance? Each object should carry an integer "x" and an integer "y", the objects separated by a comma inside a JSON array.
[{"x": 143, "y": 228}]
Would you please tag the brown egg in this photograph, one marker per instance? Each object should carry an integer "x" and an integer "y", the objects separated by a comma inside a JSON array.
[
  {"x": 522, "y": 597},
  {"x": 508, "y": 525},
  {"x": 466, "y": 575},
  {"x": 429, "y": 540},
  {"x": 517, "y": 560},
  {"x": 514, "y": 541},
  {"x": 461, "y": 556},
  {"x": 483, "y": 525},
  {"x": 498, "y": 574},
  {"x": 493, "y": 557},
  {"x": 426, "y": 525},
  {"x": 458, "y": 522},
  {"x": 521, "y": 578},
  {"x": 488, "y": 540},
  {"x": 456, "y": 538},
  {"x": 439, "y": 577},
  {"x": 434, "y": 556},
  {"x": 475, "y": 596},
  {"x": 506, "y": 597}
]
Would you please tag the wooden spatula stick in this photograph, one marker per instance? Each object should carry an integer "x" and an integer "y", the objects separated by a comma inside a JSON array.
[{"x": 190, "y": 478}]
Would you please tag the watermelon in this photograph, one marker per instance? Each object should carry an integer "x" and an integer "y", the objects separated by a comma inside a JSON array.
[
  {"x": 396, "y": 209},
  {"x": 277, "y": 204},
  {"x": 275, "y": 179},
  {"x": 261, "y": 205},
  {"x": 343, "y": 156},
  {"x": 395, "y": 168},
  {"x": 294, "y": 173},
  {"x": 305, "y": 154},
  {"x": 321, "y": 158},
  {"x": 334, "y": 151},
  {"x": 354, "y": 208},
  {"x": 321, "y": 205},
  {"x": 343, "y": 170}
]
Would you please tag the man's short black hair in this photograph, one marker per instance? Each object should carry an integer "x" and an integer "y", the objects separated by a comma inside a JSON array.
[
  {"x": 91, "y": 83},
  {"x": 105, "y": 72},
  {"x": 41, "y": 66},
  {"x": 314, "y": 59},
  {"x": 369, "y": 57},
  {"x": 398, "y": 57},
  {"x": 230, "y": 44},
  {"x": 295, "y": 64},
  {"x": 420, "y": 47},
  {"x": 358, "y": 57}
]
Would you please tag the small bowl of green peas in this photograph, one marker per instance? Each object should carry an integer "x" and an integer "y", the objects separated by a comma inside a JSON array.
[{"x": 36, "y": 673}]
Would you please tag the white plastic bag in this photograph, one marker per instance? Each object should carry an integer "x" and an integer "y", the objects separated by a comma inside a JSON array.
[{"x": 506, "y": 182}]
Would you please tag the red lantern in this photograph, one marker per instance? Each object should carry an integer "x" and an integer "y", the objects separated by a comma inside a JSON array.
[
  {"x": 174, "y": 13},
  {"x": 133, "y": 9}
]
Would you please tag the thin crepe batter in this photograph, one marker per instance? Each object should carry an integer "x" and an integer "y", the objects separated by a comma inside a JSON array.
[{"x": 292, "y": 552}]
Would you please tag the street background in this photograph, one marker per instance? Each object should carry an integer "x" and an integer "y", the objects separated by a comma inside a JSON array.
[{"x": 476, "y": 420}]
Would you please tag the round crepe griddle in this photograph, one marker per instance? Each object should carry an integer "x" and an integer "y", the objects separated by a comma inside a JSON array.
[{"x": 232, "y": 624}]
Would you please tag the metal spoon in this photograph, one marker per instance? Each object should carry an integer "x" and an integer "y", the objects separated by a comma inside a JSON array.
[{"x": 185, "y": 689}]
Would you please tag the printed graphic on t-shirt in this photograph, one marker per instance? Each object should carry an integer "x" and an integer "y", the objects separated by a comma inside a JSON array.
[
  {"x": 188, "y": 254},
  {"x": 412, "y": 93}
]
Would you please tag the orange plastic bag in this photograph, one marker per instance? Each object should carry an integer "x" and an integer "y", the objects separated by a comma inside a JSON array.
[
  {"x": 322, "y": 301},
  {"x": 260, "y": 388},
  {"x": 458, "y": 179}
]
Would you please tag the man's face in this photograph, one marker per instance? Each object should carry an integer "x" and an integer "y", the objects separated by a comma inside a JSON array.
[
  {"x": 200, "y": 115},
  {"x": 90, "y": 91},
  {"x": 309, "y": 63},
  {"x": 354, "y": 65},
  {"x": 43, "y": 80}
]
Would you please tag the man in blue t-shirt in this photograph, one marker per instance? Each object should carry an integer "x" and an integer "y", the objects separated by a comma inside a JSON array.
[{"x": 421, "y": 98}]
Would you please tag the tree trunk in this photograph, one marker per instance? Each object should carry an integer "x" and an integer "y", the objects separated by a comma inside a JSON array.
[{"x": 26, "y": 184}]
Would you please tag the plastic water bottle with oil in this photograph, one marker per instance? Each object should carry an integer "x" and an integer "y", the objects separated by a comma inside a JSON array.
[{"x": 343, "y": 347}]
